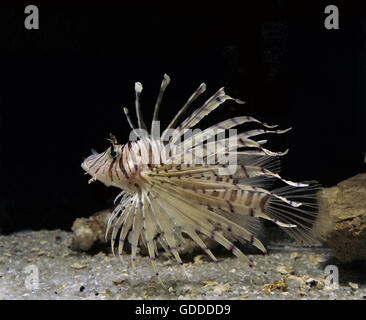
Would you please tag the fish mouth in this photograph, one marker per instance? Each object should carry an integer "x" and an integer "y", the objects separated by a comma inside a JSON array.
[
  {"x": 87, "y": 163},
  {"x": 90, "y": 161},
  {"x": 83, "y": 165},
  {"x": 86, "y": 168}
]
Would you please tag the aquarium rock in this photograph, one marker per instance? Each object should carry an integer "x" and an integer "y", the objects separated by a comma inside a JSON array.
[
  {"x": 341, "y": 224},
  {"x": 89, "y": 231}
]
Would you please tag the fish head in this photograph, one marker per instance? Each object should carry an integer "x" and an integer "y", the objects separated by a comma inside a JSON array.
[{"x": 106, "y": 166}]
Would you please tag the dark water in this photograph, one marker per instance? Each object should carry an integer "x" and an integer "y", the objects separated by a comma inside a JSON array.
[{"x": 62, "y": 89}]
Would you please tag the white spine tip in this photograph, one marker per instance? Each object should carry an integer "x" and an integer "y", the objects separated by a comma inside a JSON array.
[
  {"x": 270, "y": 126},
  {"x": 239, "y": 101},
  {"x": 285, "y": 130},
  {"x": 202, "y": 87},
  {"x": 138, "y": 87},
  {"x": 165, "y": 81},
  {"x": 125, "y": 110}
]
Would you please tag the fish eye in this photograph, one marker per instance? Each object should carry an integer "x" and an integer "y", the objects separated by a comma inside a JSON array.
[{"x": 114, "y": 154}]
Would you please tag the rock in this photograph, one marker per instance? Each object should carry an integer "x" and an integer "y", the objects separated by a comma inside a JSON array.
[
  {"x": 77, "y": 265},
  {"x": 295, "y": 281},
  {"x": 314, "y": 283},
  {"x": 341, "y": 222},
  {"x": 88, "y": 231},
  {"x": 353, "y": 285},
  {"x": 284, "y": 269},
  {"x": 280, "y": 284}
]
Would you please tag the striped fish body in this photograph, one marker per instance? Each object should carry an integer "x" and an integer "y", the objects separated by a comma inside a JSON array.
[{"x": 176, "y": 184}]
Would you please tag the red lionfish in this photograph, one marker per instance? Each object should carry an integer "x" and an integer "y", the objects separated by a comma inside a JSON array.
[{"x": 163, "y": 196}]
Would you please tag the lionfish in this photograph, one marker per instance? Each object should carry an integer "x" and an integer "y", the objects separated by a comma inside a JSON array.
[{"x": 164, "y": 195}]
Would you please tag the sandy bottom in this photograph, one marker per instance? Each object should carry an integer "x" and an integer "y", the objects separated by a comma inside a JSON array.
[{"x": 41, "y": 265}]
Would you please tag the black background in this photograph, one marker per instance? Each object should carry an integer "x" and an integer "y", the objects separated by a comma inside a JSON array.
[{"x": 62, "y": 89}]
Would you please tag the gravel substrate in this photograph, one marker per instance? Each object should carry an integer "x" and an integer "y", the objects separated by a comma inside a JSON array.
[{"x": 287, "y": 272}]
